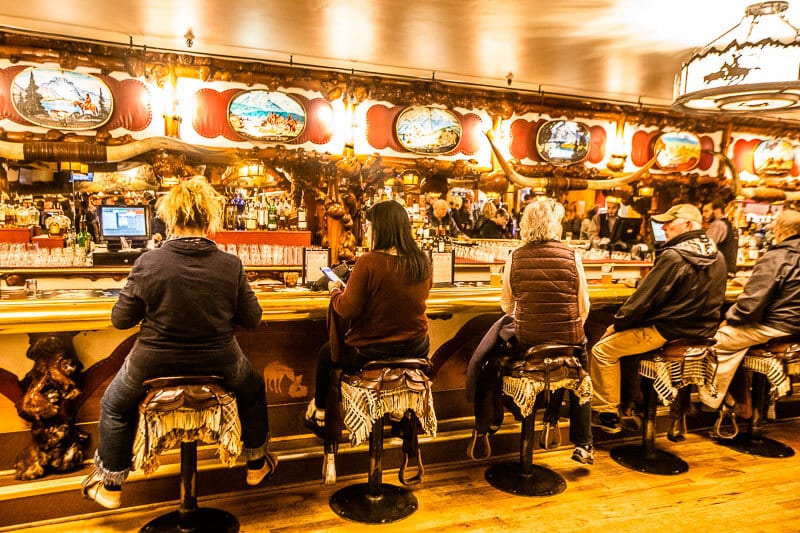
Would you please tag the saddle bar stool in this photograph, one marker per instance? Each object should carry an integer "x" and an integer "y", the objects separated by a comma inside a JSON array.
[
  {"x": 665, "y": 373},
  {"x": 382, "y": 388},
  {"x": 544, "y": 368},
  {"x": 186, "y": 409},
  {"x": 772, "y": 365}
]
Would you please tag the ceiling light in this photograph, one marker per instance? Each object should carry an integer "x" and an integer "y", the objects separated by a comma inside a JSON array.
[{"x": 752, "y": 67}]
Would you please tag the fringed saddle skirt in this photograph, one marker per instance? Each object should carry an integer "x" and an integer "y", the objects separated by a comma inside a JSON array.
[
  {"x": 371, "y": 394},
  {"x": 778, "y": 360},
  {"x": 526, "y": 379},
  {"x": 680, "y": 364},
  {"x": 182, "y": 413}
]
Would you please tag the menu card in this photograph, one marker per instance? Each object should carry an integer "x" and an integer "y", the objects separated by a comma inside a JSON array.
[
  {"x": 443, "y": 268},
  {"x": 313, "y": 260}
]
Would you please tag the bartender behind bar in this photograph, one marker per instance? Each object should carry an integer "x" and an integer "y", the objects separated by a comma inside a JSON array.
[{"x": 611, "y": 230}]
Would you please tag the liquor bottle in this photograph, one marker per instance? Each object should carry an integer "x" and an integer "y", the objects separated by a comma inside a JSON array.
[
  {"x": 83, "y": 239},
  {"x": 448, "y": 243},
  {"x": 302, "y": 224},
  {"x": 272, "y": 217},
  {"x": 238, "y": 211},
  {"x": 230, "y": 215},
  {"x": 441, "y": 238},
  {"x": 251, "y": 217},
  {"x": 283, "y": 214},
  {"x": 261, "y": 214}
]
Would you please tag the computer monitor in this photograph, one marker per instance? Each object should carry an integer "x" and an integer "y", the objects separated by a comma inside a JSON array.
[
  {"x": 659, "y": 237},
  {"x": 629, "y": 230},
  {"x": 129, "y": 221}
]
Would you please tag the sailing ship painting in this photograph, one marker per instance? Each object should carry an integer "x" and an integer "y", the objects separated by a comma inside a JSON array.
[
  {"x": 63, "y": 99},
  {"x": 428, "y": 130},
  {"x": 563, "y": 142},
  {"x": 266, "y": 116}
]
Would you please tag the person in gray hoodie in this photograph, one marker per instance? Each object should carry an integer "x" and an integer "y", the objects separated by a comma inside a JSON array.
[
  {"x": 768, "y": 307},
  {"x": 681, "y": 297}
]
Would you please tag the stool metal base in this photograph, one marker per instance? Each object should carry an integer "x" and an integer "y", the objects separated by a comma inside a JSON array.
[
  {"x": 657, "y": 462},
  {"x": 762, "y": 447},
  {"x": 355, "y": 503},
  {"x": 202, "y": 520},
  {"x": 508, "y": 477}
]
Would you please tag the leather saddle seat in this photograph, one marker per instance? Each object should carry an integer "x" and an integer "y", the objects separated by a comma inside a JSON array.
[
  {"x": 678, "y": 364},
  {"x": 183, "y": 409}
]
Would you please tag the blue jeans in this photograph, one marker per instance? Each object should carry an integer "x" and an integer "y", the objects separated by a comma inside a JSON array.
[{"x": 119, "y": 406}]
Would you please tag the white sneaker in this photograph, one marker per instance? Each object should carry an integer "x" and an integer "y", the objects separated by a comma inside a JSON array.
[{"x": 584, "y": 455}]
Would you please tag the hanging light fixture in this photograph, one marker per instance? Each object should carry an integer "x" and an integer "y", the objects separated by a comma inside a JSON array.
[
  {"x": 752, "y": 67},
  {"x": 252, "y": 169}
]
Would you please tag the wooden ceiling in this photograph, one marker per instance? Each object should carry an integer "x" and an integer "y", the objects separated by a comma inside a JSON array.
[{"x": 621, "y": 50}]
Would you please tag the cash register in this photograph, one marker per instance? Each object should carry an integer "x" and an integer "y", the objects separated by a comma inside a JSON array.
[{"x": 125, "y": 229}]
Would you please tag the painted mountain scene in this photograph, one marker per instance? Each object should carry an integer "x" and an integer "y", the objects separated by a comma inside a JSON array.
[
  {"x": 428, "y": 130},
  {"x": 266, "y": 116},
  {"x": 62, "y": 99}
]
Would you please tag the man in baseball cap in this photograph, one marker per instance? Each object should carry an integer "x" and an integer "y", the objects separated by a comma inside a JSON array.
[
  {"x": 683, "y": 211},
  {"x": 681, "y": 297}
]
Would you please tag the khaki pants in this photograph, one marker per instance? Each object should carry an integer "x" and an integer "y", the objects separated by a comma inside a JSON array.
[
  {"x": 604, "y": 365},
  {"x": 732, "y": 343}
]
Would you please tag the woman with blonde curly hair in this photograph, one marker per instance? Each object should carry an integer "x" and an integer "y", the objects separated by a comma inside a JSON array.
[{"x": 188, "y": 297}]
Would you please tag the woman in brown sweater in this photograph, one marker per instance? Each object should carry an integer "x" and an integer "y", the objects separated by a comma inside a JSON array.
[{"x": 383, "y": 303}]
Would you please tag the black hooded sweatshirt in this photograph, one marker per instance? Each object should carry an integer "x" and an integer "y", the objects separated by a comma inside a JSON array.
[{"x": 682, "y": 296}]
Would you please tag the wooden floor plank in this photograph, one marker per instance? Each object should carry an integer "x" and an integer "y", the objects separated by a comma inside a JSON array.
[{"x": 723, "y": 491}]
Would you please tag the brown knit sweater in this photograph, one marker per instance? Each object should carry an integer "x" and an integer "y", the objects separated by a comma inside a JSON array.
[{"x": 381, "y": 304}]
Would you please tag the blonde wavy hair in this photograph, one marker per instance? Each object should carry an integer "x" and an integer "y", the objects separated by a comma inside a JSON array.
[
  {"x": 489, "y": 209},
  {"x": 192, "y": 204},
  {"x": 541, "y": 220}
]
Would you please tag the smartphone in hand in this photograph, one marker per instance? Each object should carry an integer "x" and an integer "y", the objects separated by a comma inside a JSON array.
[{"x": 331, "y": 275}]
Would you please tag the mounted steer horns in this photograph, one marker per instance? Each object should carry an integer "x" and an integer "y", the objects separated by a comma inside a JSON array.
[
  {"x": 98, "y": 153},
  {"x": 565, "y": 183}
]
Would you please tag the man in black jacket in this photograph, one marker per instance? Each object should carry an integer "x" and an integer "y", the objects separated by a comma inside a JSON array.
[
  {"x": 681, "y": 297},
  {"x": 768, "y": 307}
]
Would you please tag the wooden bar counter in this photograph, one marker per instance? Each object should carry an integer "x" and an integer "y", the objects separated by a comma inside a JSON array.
[{"x": 283, "y": 348}]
